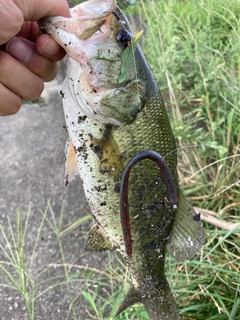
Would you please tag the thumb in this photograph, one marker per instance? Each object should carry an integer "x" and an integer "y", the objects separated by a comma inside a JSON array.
[
  {"x": 14, "y": 13},
  {"x": 35, "y": 9}
]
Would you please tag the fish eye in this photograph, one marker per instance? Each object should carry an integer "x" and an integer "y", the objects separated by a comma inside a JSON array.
[{"x": 123, "y": 37}]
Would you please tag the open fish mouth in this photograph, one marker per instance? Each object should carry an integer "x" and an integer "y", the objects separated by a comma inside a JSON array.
[
  {"x": 85, "y": 19},
  {"x": 95, "y": 37}
]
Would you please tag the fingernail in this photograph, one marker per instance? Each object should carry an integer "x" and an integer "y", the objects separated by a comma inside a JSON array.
[
  {"x": 50, "y": 47},
  {"x": 19, "y": 49}
]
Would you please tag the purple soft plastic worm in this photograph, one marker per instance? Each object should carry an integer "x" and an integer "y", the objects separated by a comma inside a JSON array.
[{"x": 124, "y": 207}]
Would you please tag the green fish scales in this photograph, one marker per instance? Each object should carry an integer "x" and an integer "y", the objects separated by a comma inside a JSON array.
[
  {"x": 108, "y": 124},
  {"x": 151, "y": 214}
]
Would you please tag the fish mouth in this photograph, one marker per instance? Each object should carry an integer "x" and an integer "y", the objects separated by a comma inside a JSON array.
[
  {"x": 91, "y": 39},
  {"x": 86, "y": 19}
]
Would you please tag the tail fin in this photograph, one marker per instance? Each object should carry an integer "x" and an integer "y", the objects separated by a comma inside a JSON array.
[
  {"x": 159, "y": 302},
  {"x": 133, "y": 296}
]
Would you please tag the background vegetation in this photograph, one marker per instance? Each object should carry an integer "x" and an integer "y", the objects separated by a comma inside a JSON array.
[{"x": 193, "y": 49}]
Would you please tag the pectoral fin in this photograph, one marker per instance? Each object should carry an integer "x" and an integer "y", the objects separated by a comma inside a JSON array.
[
  {"x": 187, "y": 235},
  {"x": 97, "y": 240},
  {"x": 71, "y": 166}
]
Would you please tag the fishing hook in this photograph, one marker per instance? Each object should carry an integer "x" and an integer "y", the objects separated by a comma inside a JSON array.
[{"x": 123, "y": 36}]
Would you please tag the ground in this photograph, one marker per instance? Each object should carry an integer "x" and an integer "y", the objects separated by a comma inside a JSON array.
[{"x": 32, "y": 157}]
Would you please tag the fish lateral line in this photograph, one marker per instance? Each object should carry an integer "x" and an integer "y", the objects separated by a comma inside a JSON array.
[{"x": 124, "y": 205}]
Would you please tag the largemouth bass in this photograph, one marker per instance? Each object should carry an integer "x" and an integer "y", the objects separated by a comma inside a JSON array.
[{"x": 109, "y": 122}]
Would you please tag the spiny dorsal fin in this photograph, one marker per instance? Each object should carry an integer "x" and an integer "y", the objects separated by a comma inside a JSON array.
[
  {"x": 187, "y": 235},
  {"x": 133, "y": 296},
  {"x": 97, "y": 240},
  {"x": 71, "y": 166}
]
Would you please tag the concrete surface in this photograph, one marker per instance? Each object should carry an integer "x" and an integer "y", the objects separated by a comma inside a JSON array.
[
  {"x": 32, "y": 172},
  {"x": 32, "y": 160}
]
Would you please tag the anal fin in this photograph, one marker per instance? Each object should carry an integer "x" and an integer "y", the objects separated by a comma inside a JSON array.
[
  {"x": 187, "y": 234},
  {"x": 97, "y": 240}
]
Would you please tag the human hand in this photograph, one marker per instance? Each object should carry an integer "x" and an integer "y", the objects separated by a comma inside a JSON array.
[{"x": 27, "y": 57}]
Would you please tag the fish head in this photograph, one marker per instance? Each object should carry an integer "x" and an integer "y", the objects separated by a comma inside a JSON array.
[{"x": 95, "y": 36}]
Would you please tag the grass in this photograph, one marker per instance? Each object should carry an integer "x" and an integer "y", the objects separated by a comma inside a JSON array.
[
  {"x": 209, "y": 285},
  {"x": 193, "y": 48},
  {"x": 102, "y": 290},
  {"x": 206, "y": 287},
  {"x": 15, "y": 272}
]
